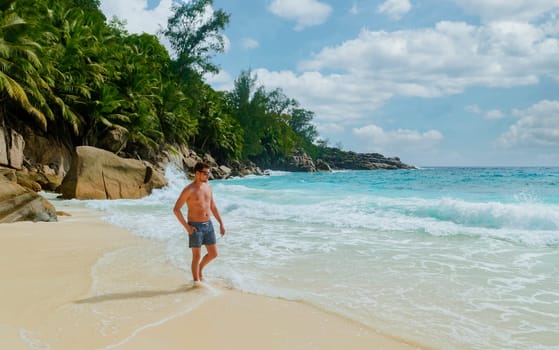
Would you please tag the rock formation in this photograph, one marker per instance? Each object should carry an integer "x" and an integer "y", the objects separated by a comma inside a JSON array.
[
  {"x": 300, "y": 161},
  {"x": 338, "y": 159},
  {"x": 322, "y": 166},
  {"x": 185, "y": 158},
  {"x": 21, "y": 204},
  {"x": 100, "y": 174},
  {"x": 11, "y": 148},
  {"x": 47, "y": 155}
]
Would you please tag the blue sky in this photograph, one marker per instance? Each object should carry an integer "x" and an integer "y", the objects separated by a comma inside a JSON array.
[{"x": 434, "y": 82}]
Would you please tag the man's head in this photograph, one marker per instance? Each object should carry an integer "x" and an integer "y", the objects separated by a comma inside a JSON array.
[{"x": 202, "y": 171}]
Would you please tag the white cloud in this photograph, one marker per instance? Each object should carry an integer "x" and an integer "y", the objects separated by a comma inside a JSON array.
[
  {"x": 395, "y": 9},
  {"x": 354, "y": 9},
  {"x": 329, "y": 128},
  {"x": 334, "y": 98},
  {"x": 348, "y": 82},
  {"x": 445, "y": 59},
  {"x": 220, "y": 81},
  {"x": 226, "y": 44},
  {"x": 494, "y": 114},
  {"x": 509, "y": 9},
  {"x": 249, "y": 43},
  {"x": 305, "y": 13},
  {"x": 551, "y": 25},
  {"x": 473, "y": 109},
  {"x": 538, "y": 126},
  {"x": 374, "y": 138},
  {"x": 139, "y": 19}
]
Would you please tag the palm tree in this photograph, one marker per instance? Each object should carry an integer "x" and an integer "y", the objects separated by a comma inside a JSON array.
[
  {"x": 177, "y": 123},
  {"x": 75, "y": 70},
  {"x": 220, "y": 133},
  {"x": 21, "y": 85}
]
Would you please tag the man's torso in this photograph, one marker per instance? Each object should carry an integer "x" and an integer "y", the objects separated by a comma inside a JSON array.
[{"x": 198, "y": 202}]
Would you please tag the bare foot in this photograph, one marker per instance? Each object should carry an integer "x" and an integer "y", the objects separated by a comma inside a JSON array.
[{"x": 197, "y": 284}]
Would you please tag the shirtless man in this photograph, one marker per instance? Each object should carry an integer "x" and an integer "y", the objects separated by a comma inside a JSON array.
[{"x": 198, "y": 197}]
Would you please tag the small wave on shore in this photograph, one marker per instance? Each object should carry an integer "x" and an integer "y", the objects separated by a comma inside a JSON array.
[{"x": 136, "y": 288}]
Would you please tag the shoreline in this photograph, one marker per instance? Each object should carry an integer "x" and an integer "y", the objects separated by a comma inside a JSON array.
[{"x": 84, "y": 281}]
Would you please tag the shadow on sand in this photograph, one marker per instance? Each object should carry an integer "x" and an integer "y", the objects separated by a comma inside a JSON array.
[{"x": 136, "y": 294}]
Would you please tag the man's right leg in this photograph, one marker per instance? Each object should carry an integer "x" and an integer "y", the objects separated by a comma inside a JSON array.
[{"x": 195, "y": 266}]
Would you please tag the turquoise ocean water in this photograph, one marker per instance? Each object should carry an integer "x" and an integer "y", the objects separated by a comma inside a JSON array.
[{"x": 454, "y": 258}]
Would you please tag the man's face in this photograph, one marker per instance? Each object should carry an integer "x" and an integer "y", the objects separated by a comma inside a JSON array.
[{"x": 204, "y": 175}]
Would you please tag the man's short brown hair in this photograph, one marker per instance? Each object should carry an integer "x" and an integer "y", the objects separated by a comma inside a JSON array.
[{"x": 201, "y": 166}]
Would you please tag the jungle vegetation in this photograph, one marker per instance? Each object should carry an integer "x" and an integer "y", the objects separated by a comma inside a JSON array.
[{"x": 67, "y": 70}]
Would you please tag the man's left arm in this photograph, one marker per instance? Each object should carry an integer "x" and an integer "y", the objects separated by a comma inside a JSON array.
[{"x": 215, "y": 212}]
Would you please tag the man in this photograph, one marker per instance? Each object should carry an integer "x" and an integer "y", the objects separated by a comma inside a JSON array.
[{"x": 198, "y": 197}]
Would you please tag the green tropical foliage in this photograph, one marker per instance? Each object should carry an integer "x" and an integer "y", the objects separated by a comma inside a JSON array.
[
  {"x": 273, "y": 124},
  {"x": 194, "y": 33},
  {"x": 66, "y": 70},
  {"x": 21, "y": 84}
]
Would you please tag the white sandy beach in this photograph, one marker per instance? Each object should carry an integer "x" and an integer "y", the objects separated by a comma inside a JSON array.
[{"x": 81, "y": 283}]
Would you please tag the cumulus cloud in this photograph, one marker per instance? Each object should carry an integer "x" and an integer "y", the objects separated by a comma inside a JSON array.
[
  {"x": 473, "y": 109},
  {"x": 510, "y": 9},
  {"x": 329, "y": 128},
  {"x": 347, "y": 82},
  {"x": 249, "y": 43},
  {"x": 491, "y": 114},
  {"x": 494, "y": 114},
  {"x": 432, "y": 62},
  {"x": 395, "y": 9},
  {"x": 445, "y": 59},
  {"x": 306, "y": 13},
  {"x": 220, "y": 81},
  {"x": 376, "y": 138},
  {"x": 537, "y": 126},
  {"x": 139, "y": 19},
  {"x": 334, "y": 98}
]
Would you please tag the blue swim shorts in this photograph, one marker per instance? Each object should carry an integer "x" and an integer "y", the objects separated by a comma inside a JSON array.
[{"x": 203, "y": 234}]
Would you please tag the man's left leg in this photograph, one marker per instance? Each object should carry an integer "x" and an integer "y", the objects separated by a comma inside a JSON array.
[{"x": 210, "y": 255}]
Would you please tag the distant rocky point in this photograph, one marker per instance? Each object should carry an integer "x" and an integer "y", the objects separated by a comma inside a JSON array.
[{"x": 336, "y": 159}]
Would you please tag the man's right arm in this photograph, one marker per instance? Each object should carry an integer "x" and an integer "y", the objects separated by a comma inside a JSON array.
[{"x": 178, "y": 213}]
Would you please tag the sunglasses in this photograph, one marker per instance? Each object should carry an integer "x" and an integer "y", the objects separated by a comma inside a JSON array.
[{"x": 207, "y": 173}]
